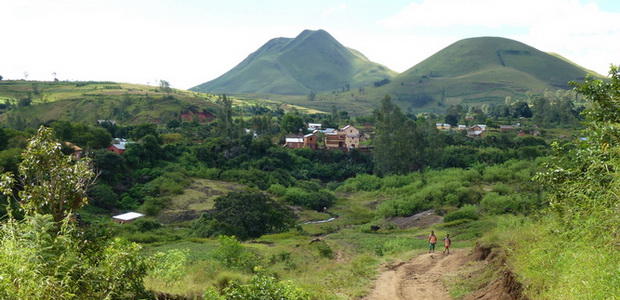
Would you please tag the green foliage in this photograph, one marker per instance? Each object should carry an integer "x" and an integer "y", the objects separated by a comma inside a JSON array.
[
  {"x": 555, "y": 256},
  {"x": 261, "y": 286},
  {"x": 324, "y": 250},
  {"x": 169, "y": 266},
  {"x": 277, "y": 190},
  {"x": 233, "y": 255},
  {"x": 246, "y": 214},
  {"x": 51, "y": 182},
  {"x": 468, "y": 211},
  {"x": 398, "y": 142},
  {"x": 37, "y": 263}
]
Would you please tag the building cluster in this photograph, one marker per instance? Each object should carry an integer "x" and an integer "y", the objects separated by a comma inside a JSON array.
[
  {"x": 478, "y": 130},
  {"x": 345, "y": 138}
]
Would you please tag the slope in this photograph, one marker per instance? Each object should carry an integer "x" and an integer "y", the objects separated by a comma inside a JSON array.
[
  {"x": 24, "y": 103},
  {"x": 481, "y": 70},
  {"x": 312, "y": 62}
]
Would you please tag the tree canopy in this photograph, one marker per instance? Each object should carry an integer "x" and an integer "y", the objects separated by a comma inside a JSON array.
[
  {"x": 51, "y": 182},
  {"x": 246, "y": 214}
]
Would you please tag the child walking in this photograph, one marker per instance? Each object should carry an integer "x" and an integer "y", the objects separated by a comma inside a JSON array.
[
  {"x": 448, "y": 243},
  {"x": 432, "y": 240}
]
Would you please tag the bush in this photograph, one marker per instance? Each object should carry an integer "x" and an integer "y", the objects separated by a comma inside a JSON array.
[
  {"x": 277, "y": 190},
  {"x": 261, "y": 287},
  {"x": 466, "y": 212},
  {"x": 496, "y": 204},
  {"x": 146, "y": 224},
  {"x": 233, "y": 255}
]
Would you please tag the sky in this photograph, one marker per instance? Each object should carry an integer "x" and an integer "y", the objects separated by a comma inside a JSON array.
[{"x": 188, "y": 42}]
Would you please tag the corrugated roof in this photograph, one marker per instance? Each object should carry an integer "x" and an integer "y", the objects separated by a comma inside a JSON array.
[{"x": 128, "y": 216}]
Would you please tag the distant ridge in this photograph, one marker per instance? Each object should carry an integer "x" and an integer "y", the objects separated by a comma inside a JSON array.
[
  {"x": 481, "y": 70},
  {"x": 311, "y": 62}
]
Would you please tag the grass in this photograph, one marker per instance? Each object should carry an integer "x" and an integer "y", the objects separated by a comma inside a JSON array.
[
  {"x": 557, "y": 265},
  {"x": 89, "y": 101}
]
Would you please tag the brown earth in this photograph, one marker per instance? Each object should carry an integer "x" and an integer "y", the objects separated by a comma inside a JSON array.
[
  {"x": 421, "y": 220},
  {"x": 419, "y": 278},
  {"x": 424, "y": 276}
]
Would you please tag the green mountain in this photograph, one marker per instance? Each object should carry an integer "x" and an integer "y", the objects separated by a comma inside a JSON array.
[
  {"x": 312, "y": 62},
  {"x": 480, "y": 70}
]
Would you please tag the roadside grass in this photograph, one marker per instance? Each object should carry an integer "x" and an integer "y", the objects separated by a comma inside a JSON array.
[{"x": 555, "y": 264}]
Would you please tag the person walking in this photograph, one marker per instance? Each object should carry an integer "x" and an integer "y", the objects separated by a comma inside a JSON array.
[
  {"x": 432, "y": 240},
  {"x": 448, "y": 243}
]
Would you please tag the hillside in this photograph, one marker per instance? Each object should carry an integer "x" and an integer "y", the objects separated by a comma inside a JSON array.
[
  {"x": 33, "y": 102},
  {"x": 481, "y": 70},
  {"x": 471, "y": 72},
  {"x": 312, "y": 62}
]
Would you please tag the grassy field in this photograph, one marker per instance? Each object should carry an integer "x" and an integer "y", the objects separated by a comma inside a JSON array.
[{"x": 333, "y": 260}]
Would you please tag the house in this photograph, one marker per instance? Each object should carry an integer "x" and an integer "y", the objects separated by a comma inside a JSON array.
[
  {"x": 443, "y": 126},
  {"x": 311, "y": 141},
  {"x": 347, "y": 137},
  {"x": 126, "y": 217},
  {"x": 294, "y": 142},
  {"x": 475, "y": 133},
  {"x": 77, "y": 151},
  {"x": 352, "y": 136},
  {"x": 506, "y": 128},
  {"x": 462, "y": 127},
  {"x": 334, "y": 140},
  {"x": 478, "y": 127},
  {"x": 119, "y": 146}
]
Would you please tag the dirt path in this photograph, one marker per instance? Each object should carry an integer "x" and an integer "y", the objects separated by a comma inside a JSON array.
[{"x": 419, "y": 278}]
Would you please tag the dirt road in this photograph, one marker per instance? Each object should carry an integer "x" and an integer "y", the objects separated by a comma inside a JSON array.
[{"x": 419, "y": 278}]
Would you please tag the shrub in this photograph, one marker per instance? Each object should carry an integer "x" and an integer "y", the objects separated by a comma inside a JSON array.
[
  {"x": 233, "y": 255},
  {"x": 325, "y": 250},
  {"x": 494, "y": 203},
  {"x": 466, "y": 212},
  {"x": 146, "y": 224},
  {"x": 277, "y": 190},
  {"x": 263, "y": 286},
  {"x": 170, "y": 265}
]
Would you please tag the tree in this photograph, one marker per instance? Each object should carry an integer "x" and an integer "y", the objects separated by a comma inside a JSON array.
[
  {"x": 521, "y": 109},
  {"x": 1, "y": 77},
  {"x": 164, "y": 87},
  {"x": 292, "y": 124},
  {"x": 51, "y": 182},
  {"x": 246, "y": 214},
  {"x": 225, "y": 117},
  {"x": 398, "y": 145},
  {"x": 311, "y": 96}
]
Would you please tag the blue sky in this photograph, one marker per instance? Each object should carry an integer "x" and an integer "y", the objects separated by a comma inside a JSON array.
[{"x": 187, "y": 42}]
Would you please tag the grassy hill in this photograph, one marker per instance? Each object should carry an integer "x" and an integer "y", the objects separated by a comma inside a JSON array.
[
  {"x": 36, "y": 102},
  {"x": 477, "y": 71},
  {"x": 474, "y": 72},
  {"x": 312, "y": 62}
]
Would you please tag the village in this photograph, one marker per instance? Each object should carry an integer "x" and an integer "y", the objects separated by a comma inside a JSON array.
[{"x": 350, "y": 137}]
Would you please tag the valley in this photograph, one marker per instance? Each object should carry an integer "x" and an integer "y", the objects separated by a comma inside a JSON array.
[{"x": 259, "y": 185}]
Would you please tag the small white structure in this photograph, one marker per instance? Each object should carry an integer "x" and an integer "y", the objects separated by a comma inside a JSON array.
[
  {"x": 126, "y": 217},
  {"x": 314, "y": 126}
]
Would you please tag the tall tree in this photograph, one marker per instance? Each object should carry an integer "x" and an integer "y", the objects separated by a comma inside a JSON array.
[
  {"x": 398, "y": 145},
  {"x": 51, "y": 182}
]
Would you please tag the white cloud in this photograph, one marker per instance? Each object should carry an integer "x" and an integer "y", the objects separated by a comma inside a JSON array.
[
  {"x": 335, "y": 10},
  {"x": 579, "y": 31}
]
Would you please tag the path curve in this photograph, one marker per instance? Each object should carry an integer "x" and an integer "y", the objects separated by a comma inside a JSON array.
[{"x": 419, "y": 278}]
